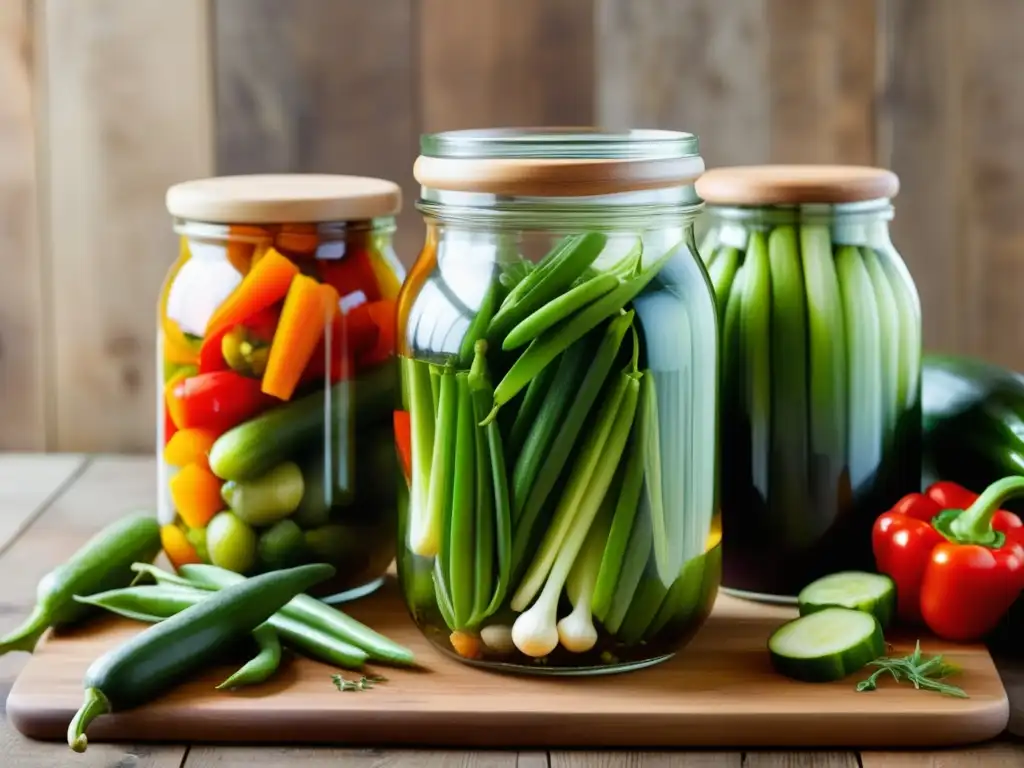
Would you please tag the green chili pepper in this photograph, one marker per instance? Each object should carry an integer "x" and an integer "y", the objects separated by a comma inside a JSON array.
[
  {"x": 263, "y": 664},
  {"x": 103, "y": 562},
  {"x": 163, "y": 654},
  {"x": 156, "y": 603}
]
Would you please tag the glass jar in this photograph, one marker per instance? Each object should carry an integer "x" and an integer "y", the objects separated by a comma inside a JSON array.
[
  {"x": 276, "y": 349},
  {"x": 821, "y": 381},
  {"x": 558, "y": 345}
]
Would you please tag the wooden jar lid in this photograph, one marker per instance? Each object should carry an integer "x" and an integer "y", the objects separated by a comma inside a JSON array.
[
  {"x": 794, "y": 184},
  {"x": 557, "y": 162},
  {"x": 283, "y": 199}
]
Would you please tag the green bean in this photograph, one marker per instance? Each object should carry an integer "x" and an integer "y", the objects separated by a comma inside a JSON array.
[
  {"x": 561, "y": 448},
  {"x": 551, "y": 343},
  {"x": 552, "y": 276},
  {"x": 156, "y": 603},
  {"x": 166, "y": 578},
  {"x": 483, "y": 393},
  {"x": 563, "y": 388},
  {"x": 629, "y": 487},
  {"x": 638, "y": 551},
  {"x": 526, "y": 416},
  {"x": 580, "y": 481},
  {"x": 261, "y": 666},
  {"x": 478, "y": 326},
  {"x": 461, "y": 550},
  {"x": 557, "y": 310},
  {"x": 483, "y": 583},
  {"x": 313, "y": 613},
  {"x": 426, "y": 528}
]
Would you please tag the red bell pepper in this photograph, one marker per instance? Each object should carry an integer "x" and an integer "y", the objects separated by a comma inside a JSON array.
[
  {"x": 956, "y": 558},
  {"x": 353, "y": 272},
  {"x": 217, "y": 401},
  {"x": 352, "y": 335},
  {"x": 403, "y": 441}
]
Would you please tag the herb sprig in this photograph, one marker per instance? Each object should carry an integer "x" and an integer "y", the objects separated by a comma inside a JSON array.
[
  {"x": 362, "y": 684},
  {"x": 925, "y": 674}
]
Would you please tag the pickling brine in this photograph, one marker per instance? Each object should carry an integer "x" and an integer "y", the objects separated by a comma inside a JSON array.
[{"x": 558, "y": 424}]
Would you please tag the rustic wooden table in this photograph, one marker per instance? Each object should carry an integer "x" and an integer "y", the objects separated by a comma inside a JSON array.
[{"x": 50, "y": 503}]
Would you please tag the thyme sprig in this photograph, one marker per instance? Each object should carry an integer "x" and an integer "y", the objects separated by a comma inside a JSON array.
[{"x": 362, "y": 684}]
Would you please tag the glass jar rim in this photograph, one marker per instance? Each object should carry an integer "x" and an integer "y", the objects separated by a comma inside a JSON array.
[{"x": 560, "y": 143}]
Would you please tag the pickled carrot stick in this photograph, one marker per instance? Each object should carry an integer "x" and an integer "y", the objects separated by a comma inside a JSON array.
[
  {"x": 267, "y": 282},
  {"x": 308, "y": 308}
]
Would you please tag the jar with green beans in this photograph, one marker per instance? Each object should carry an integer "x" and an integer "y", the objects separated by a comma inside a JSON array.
[
  {"x": 821, "y": 369},
  {"x": 558, "y": 345}
]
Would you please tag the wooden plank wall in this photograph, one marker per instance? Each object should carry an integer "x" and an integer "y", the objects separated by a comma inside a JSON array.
[{"x": 107, "y": 102}]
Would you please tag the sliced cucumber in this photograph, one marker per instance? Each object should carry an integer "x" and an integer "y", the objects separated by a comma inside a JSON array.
[
  {"x": 826, "y": 645},
  {"x": 873, "y": 593}
]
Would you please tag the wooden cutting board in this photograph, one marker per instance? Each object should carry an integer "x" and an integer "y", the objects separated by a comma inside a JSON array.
[{"x": 719, "y": 691}]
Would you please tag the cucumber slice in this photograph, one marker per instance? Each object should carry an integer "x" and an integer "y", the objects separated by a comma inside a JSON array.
[
  {"x": 873, "y": 593},
  {"x": 826, "y": 645}
]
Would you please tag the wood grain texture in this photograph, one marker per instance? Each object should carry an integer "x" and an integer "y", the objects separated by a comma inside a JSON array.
[
  {"x": 129, "y": 113},
  {"x": 79, "y": 507},
  {"x": 646, "y": 759},
  {"x": 107, "y": 489},
  {"x": 720, "y": 690},
  {"x": 320, "y": 86},
  {"x": 821, "y": 81},
  {"x": 488, "y": 63},
  {"x": 692, "y": 65},
  {"x": 23, "y": 376},
  {"x": 994, "y": 755},
  {"x": 27, "y": 483},
  {"x": 993, "y": 104},
  {"x": 800, "y": 760},
  {"x": 922, "y": 115},
  {"x": 318, "y": 757}
]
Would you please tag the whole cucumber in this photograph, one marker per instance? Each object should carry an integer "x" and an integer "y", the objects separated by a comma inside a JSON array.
[
  {"x": 103, "y": 562},
  {"x": 164, "y": 654},
  {"x": 254, "y": 447}
]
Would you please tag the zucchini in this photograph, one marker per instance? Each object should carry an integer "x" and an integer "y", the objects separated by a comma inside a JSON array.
[
  {"x": 873, "y": 593},
  {"x": 826, "y": 645},
  {"x": 255, "y": 446}
]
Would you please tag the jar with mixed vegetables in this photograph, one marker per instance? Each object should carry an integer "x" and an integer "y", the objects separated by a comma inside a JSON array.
[
  {"x": 821, "y": 385},
  {"x": 559, "y": 361},
  {"x": 280, "y": 381}
]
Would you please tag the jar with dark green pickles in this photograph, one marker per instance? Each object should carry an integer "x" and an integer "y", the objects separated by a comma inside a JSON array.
[
  {"x": 276, "y": 349},
  {"x": 559, "y": 356},
  {"x": 821, "y": 369}
]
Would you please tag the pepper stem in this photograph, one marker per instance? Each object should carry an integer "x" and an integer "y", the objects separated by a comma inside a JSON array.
[
  {"x": 94, "y": 705},
  {"x": 974, "y": 524}
]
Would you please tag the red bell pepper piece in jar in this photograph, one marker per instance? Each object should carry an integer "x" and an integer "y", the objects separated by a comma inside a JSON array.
[
  {"x": 957, "y": 559},
  {"x": 257, "y": 329},
  {"x": 217, "y": 401},
  {"x": 403, "y": 441},
  {"x": 352, "y": 335},
  {"x": 351, "y": 274}
]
